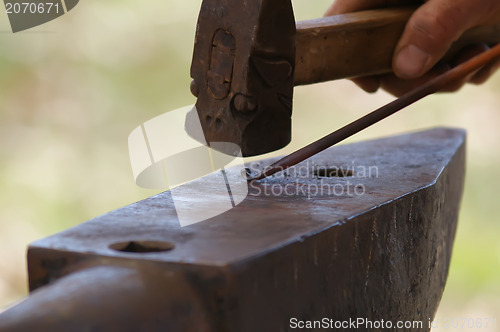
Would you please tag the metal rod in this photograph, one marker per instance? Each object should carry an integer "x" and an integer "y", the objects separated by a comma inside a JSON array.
[{"x": 432, "y": 86}]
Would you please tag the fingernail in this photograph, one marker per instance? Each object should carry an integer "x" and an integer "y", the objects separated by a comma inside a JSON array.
[{"x": 410, "y": 61}]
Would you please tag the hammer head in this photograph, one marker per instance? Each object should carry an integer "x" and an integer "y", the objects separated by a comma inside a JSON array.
[{"x": 242, "y": 70}]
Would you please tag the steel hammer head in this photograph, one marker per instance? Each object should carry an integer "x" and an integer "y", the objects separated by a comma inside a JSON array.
[{"x": 242, "y": 70}]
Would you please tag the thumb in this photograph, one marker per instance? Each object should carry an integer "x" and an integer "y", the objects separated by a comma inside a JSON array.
[{"x": 430, "y": 32}]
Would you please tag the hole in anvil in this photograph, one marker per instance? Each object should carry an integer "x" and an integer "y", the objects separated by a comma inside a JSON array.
[
  {"x": 332, "y": 172},
  {"x": 142, "y": 246}
]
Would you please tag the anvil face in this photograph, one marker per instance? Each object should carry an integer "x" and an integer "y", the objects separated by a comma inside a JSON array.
[{"x": 301, "y": 201}]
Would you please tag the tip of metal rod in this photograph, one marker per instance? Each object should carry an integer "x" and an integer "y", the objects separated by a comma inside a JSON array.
[
  {"x": 266, "y": 172},
  {"x": 254, "y": 177}
]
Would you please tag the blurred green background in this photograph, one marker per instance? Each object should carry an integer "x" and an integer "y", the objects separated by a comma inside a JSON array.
[{"x": 73, "y": 89}]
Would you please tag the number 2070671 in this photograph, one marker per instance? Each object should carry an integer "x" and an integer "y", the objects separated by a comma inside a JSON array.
[{"x": 32, "y": 8}]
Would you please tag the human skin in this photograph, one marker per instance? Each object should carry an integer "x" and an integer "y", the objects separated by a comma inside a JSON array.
[{"x": 431, "y": 30}]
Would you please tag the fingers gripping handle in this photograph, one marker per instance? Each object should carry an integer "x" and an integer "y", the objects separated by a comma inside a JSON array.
[{"x": 361, "y": 44}]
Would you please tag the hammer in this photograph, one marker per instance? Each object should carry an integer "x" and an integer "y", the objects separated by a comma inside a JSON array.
[{"x": 249, "y": 55}]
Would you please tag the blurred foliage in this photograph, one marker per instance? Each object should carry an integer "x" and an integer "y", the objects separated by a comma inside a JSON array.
[{"x": 73, "y": 89}]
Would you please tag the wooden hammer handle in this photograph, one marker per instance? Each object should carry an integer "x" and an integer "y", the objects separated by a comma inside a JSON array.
[{"x": 361, "y": 43}]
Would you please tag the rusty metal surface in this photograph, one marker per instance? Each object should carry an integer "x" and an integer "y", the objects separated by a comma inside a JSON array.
[
  {"x": 381, "y": 255},
  {"x": 242, "y": 71}
]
